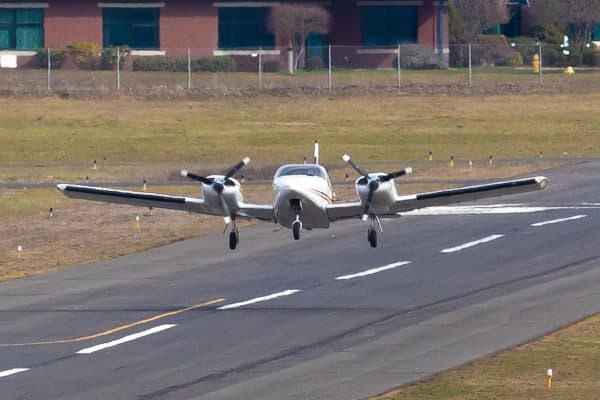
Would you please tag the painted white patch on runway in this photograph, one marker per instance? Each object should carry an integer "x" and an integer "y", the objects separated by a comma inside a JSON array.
[
  {"x": 373, "y": 271},
  {"x": 492, "y": 209},
  {"x": 13, "y": 371},
  {"x": 471, "y": 244},
  {"x": 126, "y": 339},
  {"x": 259, "y": 299},
  {"x": 556, "y": 221}
]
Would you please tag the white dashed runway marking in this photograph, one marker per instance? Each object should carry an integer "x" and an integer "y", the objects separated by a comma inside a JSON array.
[
  {"x": 373, "y": 271},
  {"x": 13, "y": 371},
  {"x": 556, "y": 221},
  {"x": 471, "y": 244},
  {"x": 259, "y": 299},
  {"x": 125, "y": 339}
]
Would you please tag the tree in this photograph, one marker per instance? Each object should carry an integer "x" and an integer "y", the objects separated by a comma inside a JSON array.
[
  {"x": 478, "y": 16},
  {"x": 579, "y": 16},
  {"x": 294, "y": 22}
]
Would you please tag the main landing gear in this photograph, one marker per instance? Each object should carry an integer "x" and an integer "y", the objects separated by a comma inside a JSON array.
[
  {"x": 234, "y": 236},
  {"x": 372, "y": 232},
  {"x": 296, "y": 228}
]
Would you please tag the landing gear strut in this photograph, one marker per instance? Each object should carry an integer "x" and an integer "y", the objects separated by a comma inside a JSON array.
[
  {"x": 296, "y": 228},
  {"x": 234, "y": 236},
  {"x": 372, "y": 232}
]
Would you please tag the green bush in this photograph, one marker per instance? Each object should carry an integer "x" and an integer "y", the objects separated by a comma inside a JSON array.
[
  {"x": 271, "y": 66},
  {"x": 216, "y": 64},
  {"x": 154, "y": 63},
  {"x": 527, "y": 46},
  {"x": 83, "y": 54},
  {"x": 57, "y": 58},
  {"x": 591, "y": 57},
  {"x": 550, "y": 34},
  {"x": 108, "y": 56},
  {"x": 551, "y": 56},
  {"x": 516, "y": 60},
  {"x": 314, "y": 64}
]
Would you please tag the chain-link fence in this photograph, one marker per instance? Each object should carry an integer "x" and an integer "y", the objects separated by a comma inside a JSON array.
[{"x": 490, "y": 66}]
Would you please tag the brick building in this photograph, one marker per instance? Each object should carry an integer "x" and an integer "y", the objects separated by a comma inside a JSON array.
[{"x": 170, "y": 27}]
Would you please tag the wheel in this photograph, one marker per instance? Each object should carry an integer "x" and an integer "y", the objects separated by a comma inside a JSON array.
[
  {"x": 296, "y": 230},
  {"x": 233, "y": 240},
  {"x": 373, "y": 238}
]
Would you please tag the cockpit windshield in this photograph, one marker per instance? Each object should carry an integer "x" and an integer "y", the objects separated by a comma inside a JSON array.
[{"x": 302, "y": 169}]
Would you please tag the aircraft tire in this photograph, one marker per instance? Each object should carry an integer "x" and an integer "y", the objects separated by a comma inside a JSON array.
[
  {"x": 373, "y": 238},
  {"x": 296, "y": 230},
  {"x": 233, "y": 240}
]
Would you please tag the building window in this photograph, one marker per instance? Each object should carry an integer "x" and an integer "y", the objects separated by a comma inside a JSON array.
[
  {"x": 389, "y": 25},
  {"x": 596, "y": 34},
  {"x": 21, "y": 29},
  {"x": 244, "y": 27},
  {"x": 134, "y": 27}
]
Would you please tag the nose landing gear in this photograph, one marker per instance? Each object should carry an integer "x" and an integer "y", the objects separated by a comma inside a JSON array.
[
  {"x": 372, "y": 232},
  {"x": 234, "y": 236},
  {"x": 296, "y": 228}
]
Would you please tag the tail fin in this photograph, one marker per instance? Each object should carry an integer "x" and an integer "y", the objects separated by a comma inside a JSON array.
[{"x": 316, "y": 161}]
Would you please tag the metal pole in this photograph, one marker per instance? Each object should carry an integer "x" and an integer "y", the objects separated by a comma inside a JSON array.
[
  {"x": 541, "y": 80},
  {"x": 470, "y": 67},
  {"x": 49, "y": 69},
  {"x": 399, "y": 73},
  {"x": 330, "y": 77},
  {"x": 260, "y": 68},
  {"x": 118, "y": 69},
  {"x": 189, "y": 69}
]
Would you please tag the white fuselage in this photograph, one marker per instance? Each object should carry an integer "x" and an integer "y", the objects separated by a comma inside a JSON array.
[{"x": 302, "y": 191}]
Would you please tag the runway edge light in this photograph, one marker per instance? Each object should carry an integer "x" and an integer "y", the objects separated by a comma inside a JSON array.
[{"x": 549, "y": 374}]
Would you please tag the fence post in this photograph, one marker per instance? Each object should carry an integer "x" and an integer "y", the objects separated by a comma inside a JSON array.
[
  {"x": 399, "y": 70},
  {"x": 541, "y": 79},
  {"x": 189, "y": 69},
  {"x": 118, "y": 69},
  {"x": 470, "y": 67},
  {"x": 49, "y": 69},
  {"x": 260, "y": 68},
  {"x": 329, "y": 67}
]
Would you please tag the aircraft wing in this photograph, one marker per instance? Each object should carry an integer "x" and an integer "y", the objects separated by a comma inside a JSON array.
[
  {"x": 263, "y": 212},
  {"x": 141, "y": 199},
  {"x": 442, "y": 197}
]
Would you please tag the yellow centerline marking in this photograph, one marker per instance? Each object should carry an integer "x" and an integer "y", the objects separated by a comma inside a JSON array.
[{"x": 118, "y": 328}]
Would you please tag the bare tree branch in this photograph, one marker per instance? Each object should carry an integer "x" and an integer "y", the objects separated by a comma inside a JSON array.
[{"x": 480, "y": 15}]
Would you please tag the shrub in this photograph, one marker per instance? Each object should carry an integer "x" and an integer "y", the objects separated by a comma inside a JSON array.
[
  {"x": 413, "y": 56},
  {"x": 516, "y": 60},
  {"x": 491, "y": 50},
  {"x": 271, "y": 66},
  {"x": 552, "y": 56},
  {"x": 314, "y": 64},
  {"x": 83, "y": 54},
  {"x": 217, "y": 64},
  {"x": 57, "y": 58},
  {"x": 527, "y": 46},
  {"x": 550, "y": 34},
  {"x": 591, "y": 57},
  {"x": 154, "y": 63},
  {"x": 108, "y": 56}
]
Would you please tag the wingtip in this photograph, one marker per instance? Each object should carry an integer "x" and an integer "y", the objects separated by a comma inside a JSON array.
[
  {"x": 61, "y": 187},
  {"x": 408, "y": 170},
  {"x": 346, "y": 157},
  {"x": 184, "y": 173},
  {"x": 246, "y": 160},
  {"x": 542, "y": 181}
]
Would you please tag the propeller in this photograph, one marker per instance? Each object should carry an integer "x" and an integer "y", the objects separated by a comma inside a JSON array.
[
  {"x": 373, "y": 181},
  {"x": 218, "y": 184}
]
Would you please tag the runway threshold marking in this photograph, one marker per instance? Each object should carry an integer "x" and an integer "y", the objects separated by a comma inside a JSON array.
[
  {"x": 259, "y": 299},
  {"x": 373, "y": 271},
  {"x": 125, "y": 339},
  {"x": 118, "y": 328},
  {"x": 471, "y": 244},
  {"x": 556, "y": 221},
  {"x": 13, "y": 371}
]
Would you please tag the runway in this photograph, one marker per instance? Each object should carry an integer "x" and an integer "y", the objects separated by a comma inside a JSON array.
[{"x": 326, "y": 317}]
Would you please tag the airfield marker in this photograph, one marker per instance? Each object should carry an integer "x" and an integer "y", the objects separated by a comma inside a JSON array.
[
  {"x": 549, "y": 374},
  {"x": 137, "y": 223},
  {"x": 470, "y": 165},
  {"x": 19, "y": 252},
  {"x": 94, "y": 166},
  {"x": 452, "y": 161},
  {"x": 145, "y": 185},
  {"x": 430, "y": 155},
  {"x": 541, "y": 154},
  {"x": 491, "y": 159},
  {"x": 50, "y": 212}
]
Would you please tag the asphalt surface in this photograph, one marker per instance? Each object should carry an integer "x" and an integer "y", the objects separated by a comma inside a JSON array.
[{"x": 326, "y": 317}]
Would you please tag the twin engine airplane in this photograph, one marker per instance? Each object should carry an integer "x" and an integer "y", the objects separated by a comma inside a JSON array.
[{"x": 304, "y": 197}]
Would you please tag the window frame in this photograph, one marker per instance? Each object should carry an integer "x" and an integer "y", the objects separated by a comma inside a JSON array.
[
  {"x": 227, "y": 41},
  {"x": 15, "y": 25},
  {"x": 391, "y": 38},
  {"x": 108, "y": 24}
]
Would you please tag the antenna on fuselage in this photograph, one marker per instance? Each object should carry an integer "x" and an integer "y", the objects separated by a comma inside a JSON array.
[{"x": 316, "y": 161}]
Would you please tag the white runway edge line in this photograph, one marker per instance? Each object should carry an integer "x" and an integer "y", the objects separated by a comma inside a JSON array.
[
  {"x": 471, "y": 244},
  {"x": 126, "y": 339},
  {"x": 373, "y": 271},
  {"x": 556, "y": 221},
  {"x": 259, "y": 299},
  {"x": 13, "y": 371}
]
